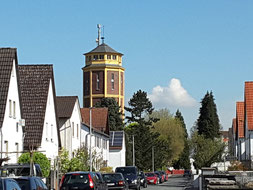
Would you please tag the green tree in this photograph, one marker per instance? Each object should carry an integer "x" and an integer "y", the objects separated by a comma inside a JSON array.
[
  {"x": 206, "y": 151},
  {"x": 171, "y": 133},
  {"x": 38, "y": 158},
  {"x": 140, "y": 106},
  {"x": 115, "y": 115},
  {"x": 80, "y": 160},
  {"x": 184, "y": 158},
  {"x": 208, "y": 121},
  {"x": 64, "y": 161}
]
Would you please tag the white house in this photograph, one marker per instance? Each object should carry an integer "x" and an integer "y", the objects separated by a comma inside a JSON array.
[
  {"x": 11, "y": 132},
  {"x": 39, "y": 109},
  {"x": 99, "y": 135},
  {"x": 117, "y": 151},
  {"x": 68, "y": 110}
]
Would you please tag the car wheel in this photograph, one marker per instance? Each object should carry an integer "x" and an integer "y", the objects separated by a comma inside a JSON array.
[{"x": 145, "y": 185}]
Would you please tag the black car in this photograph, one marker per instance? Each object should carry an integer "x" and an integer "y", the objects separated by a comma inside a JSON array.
[
  {"x": 131, "y": 174},
  {"x": 115, "y": 181},
  {"x": 161, "y": 179},
  {"x": 8, "y": 184},
  {"x": 144, "y": 182},
  {"x": 31, "y": 183},
  {"x": 83, "y": 181}
]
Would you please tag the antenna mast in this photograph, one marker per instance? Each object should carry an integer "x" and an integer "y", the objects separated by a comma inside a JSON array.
[{"x": 99, "y": 32}]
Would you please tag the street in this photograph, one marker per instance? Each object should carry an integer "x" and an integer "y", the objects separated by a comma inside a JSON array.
[{"x": 176, "y": 182}]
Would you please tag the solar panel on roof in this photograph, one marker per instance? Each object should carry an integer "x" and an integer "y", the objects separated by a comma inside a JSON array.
[{"x": 116, "y": 138}]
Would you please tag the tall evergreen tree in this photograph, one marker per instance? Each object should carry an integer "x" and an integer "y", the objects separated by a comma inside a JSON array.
[
  {"x": 115, "y": 115},
  {"x": 184, "y": 159},
  {"x": 140, "y": 106},
  {"x": 208, "y": 121}
]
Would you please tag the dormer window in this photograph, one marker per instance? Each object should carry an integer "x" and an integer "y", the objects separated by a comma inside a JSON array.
[
  {"x": 112, "y": 81},
  {"x": 108, "y": 56},
  {"x": 101, "y": 57}
]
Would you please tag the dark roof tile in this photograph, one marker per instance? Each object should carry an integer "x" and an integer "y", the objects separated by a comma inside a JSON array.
[{"x": 65, "y": 105}]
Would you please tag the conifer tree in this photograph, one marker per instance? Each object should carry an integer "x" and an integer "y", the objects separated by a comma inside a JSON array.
[
  {"x": 208, "y": 121},
  {"x": 184, "y": 159}
]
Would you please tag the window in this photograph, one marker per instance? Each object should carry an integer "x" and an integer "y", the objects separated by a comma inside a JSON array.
[
  {"x": 10, "y": 112},
  {"x": 101, "y": 57},
  {"x": 17, "y": 149},
  {"x": 114, "y": 57},
  {"x": 97, "y": 81},
  {"x": 112, "y": 81},
  {"x": 95, "y": 57},
  {"x": 108, "y": 56},
  {"x": 14, "y": 109},
  {"x": 73, "y": 129},
  {"x": 46, "y": 131},
  {"x": 77, "y": 129},
  {"x": 17, "y": 127},
  {"x": 6, "y": 148}
]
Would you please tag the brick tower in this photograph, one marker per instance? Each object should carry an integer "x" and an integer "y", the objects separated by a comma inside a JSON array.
[{"x": 103, "y": 76}]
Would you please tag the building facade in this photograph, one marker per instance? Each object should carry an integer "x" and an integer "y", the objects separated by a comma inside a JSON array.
[{"x": 103, "y": 76}]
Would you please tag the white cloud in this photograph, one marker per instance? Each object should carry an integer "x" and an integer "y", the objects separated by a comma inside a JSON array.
[{"x": 173, "y": 95}]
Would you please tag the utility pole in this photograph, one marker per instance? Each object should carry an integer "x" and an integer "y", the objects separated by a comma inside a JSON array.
[
  {"x": 153, "y": 160},
  {"x": 133, "y": 153},
  {"x": 90, "y": 138}
]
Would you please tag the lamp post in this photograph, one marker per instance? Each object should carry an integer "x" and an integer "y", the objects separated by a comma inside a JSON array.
[
  {"x": 153, "y": 160},
  {"x": 133, "y": 153},
  {"x": 90, "y": 138}
]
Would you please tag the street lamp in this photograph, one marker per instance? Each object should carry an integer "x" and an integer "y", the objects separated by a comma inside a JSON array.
[{"x": 90, "y": 139}]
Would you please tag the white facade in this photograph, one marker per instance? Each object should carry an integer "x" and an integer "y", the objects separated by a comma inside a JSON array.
[
  {"x": 49, "y": 141},
  {"x": 99, "y": 146},
  {"x": 12, "y": 132},
  {"x": 117, "y": 157},
  {"x": 70, "y": 131}
]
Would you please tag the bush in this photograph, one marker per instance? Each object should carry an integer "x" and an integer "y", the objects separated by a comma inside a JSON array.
[{"x": 106, "y": 170}]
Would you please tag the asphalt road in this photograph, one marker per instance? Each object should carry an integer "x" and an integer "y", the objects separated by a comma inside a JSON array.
[{"x": 175, "y": 182}]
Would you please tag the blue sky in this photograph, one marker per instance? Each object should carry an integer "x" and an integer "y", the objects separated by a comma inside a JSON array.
[{"x": 176, "y": 51}]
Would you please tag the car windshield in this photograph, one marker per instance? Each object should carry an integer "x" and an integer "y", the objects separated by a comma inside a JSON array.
[
  {"x": 76, "y": 178},
  {"x": 126, "y": 171},
  {"x": 112, "y": 177},
  {"x": 150, "y": 174},
  {"x": 23, "y": 183}
]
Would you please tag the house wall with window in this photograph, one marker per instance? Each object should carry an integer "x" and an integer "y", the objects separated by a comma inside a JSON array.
[
  {"x": 49, "y": 141},
  {"x": 12, "y": 131}
]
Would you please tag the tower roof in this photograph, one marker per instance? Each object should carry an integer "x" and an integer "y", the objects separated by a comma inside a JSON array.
[{"x": 103, "y": 48}]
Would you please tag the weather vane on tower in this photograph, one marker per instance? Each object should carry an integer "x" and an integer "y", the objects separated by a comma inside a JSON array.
[{"x": 99, "y": 26}]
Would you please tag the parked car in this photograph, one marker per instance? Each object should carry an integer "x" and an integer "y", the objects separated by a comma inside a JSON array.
[
  {"x": 30, "y": 183},
  {"x": 152, "y": 178},
  {"x": 144, "y": 182},
  {"x": 187, "y": 173},
  {"x": 131, "y": 174},
  {"x": 20, "y": 170},
  {"x": 8, "y": 184},
  {"x": 115, "y": 181},
  {"x": 166, "y": 177},
  {"x": 83, "y": 181},
  {"x": 161, "y": 177}
]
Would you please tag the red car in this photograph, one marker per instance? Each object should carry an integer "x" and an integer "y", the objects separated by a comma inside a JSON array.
[{"x": 152, "y": 178}]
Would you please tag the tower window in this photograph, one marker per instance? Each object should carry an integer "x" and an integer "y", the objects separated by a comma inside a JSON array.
[
  {"x": 89, "y": 58},
  {"x": 97, "y": 81},
  {"x": 95, "y": 57},
  {"x": 101, "y": 57},
  {"x": 108, "y": 56},
  {"x": 112, "y": 81},
  {"x": 114, "y": 57}
]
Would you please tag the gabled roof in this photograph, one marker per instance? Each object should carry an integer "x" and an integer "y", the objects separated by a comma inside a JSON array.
[
  {"x": 116, "y": 139},
  {"x": 234, "y": 126},
  {"x": 99, "y": 118},
  {"x": 34, "y": 85},
  {"x": 103, "y": 48},
  {"x": 7, "y": 55},
  {"x": 240, "y": 119},
  {"x": 65, "y": 105},
  {"x": 248, "y": 98}
]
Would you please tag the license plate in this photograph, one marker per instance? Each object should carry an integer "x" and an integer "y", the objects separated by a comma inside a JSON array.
[
  {"x": 110, "y": 184},
  {"x": 151, "y": 180}
]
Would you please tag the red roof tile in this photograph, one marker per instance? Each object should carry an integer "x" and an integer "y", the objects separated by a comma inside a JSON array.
[
  {"x": 99, "y": 118},
  {"x": 248, "y": 97},
  {"x": 240, "y": 119}
]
